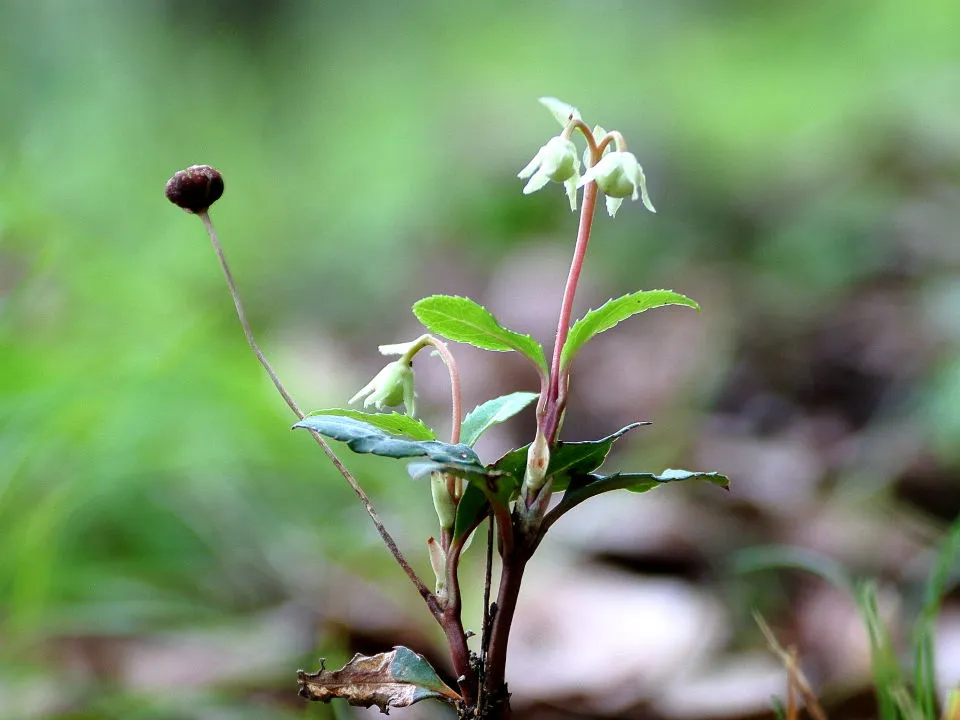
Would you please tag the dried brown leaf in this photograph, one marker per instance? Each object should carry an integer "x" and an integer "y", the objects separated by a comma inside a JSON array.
[{"x": 398, "y": 678}]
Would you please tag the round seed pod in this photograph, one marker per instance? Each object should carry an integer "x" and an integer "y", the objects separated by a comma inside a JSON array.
[{"x": 196, "y": 188}]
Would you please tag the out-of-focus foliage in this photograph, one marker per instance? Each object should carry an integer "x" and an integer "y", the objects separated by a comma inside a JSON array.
[{"x": 168, "y": 549}]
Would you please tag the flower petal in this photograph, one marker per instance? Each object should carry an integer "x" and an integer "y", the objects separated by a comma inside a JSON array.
[
  {"x": 643, "y": 193},
  {"x": 571, "y": 187},
  {"x": 562, "y": 111},
  {"x": 531, "y": 167},
  {"x": 410, "y": 399},
  {"x": 536, "y": 182},
  {"x": 613, "y": 204},
  {"x": 365, "y": 390},
  {"x": 589, "y": 176},
  {"x": 396, "y": 348}
]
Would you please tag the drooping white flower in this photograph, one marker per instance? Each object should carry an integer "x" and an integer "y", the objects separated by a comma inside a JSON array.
[
  {"x": 619, "y": 175},
  {"x": 392, "y": 386},
  {"x": 557, "y": 161}
]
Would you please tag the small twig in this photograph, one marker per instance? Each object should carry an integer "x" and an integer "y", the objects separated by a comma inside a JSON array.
[
  {"x": 488, "y": 573},
  {"x": 388, "y": 540},
  {"x": 485, "y": 632},
  {"x": 796, "y": 681}
]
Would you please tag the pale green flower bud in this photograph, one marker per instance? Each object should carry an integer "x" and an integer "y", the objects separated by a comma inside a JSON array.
[
  {"x": 438, "y": 562},
  {"x": 557, "y": 161},
  {"x": 619, "y": 175},
  {"x": 538, "y": 459},
  {"x": 392, "y": 386},
  {"x": 445, "y": 505}
]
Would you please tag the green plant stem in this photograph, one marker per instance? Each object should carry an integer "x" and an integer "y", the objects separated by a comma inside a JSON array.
[
  {"x": 557, "y": 394},
  {"x": 385, "y": 535}
]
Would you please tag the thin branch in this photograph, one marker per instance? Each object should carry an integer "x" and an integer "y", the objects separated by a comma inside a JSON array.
[
  {"x": 795, "y": 677},
  {"x": 388, "y": 540},
  {"x": 485, "y": 631},
  {"x": 487, "y": 582}
]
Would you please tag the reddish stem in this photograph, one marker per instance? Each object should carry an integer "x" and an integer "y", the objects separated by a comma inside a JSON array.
[
  {"x": 452, "y": 624},
  {"x": 510, "y": 578},
  {"x": 556, "y": 398}
]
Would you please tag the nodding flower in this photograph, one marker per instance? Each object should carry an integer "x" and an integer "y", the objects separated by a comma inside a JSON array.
[
  {"x": 557, "y": 161},
  {"x": 392, "y": 386},
  {"x": 618, "y": 174}
]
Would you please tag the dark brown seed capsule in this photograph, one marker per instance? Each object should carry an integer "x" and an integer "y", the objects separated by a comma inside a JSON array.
[{"x": 196, "y": 188}]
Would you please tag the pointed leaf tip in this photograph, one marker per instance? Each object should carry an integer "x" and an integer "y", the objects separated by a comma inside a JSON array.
[{"x": 614, "y": 312}]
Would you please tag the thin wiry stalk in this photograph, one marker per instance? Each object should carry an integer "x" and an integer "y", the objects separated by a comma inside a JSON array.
[{"x": 388, "y": 540}]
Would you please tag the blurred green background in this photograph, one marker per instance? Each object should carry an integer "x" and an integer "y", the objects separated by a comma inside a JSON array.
[{"x": 169, "y": 550}]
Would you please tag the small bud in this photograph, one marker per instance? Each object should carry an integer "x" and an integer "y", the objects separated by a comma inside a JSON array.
[
  {"x": 538, "y": 459},
  {"x": 196, "y": 188},
  {"x": 445, "y": 505},
  {"x": 438, "y": 561}
]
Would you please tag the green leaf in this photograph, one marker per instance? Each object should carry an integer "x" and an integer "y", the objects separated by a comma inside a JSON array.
[
  {"x": 501, "y": 486},
  {"x": 394, "y": 422},
  {"x": 613, "y": 312},
  {"x": 566, "y": 458},
  {"x": 560, "y": 110},
  {"x": 398, "y": 678},
  {"x": 362, "y": 437},
  {"x": 467, "y": 471},
  {"x": 498, "y": 410},
  {"x": 583, "y": 486},
  {"x": 474, "y": 506},
  {"x": 462, "y": 320},
  {"x": 471, "y": 510}
]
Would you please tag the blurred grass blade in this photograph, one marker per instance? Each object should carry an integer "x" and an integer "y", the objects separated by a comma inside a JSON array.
[
  {"x": 938, "y": 584},
  {"x": 774, "y": 557},
  {"x": 887, "y": 676}
]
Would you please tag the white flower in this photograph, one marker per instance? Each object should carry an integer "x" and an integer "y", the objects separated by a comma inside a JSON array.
[
  {"x": 556, "y": 161},
  {"x": 392, "y": 386},
  {"x": 618, "y": 174}
]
